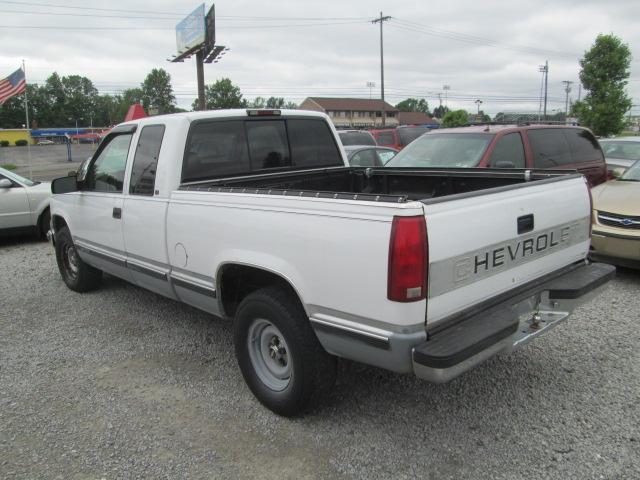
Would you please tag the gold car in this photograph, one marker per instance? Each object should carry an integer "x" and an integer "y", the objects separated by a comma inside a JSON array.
[{"x": 616, "y": 220}]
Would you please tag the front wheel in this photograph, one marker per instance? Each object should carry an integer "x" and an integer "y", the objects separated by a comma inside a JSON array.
[
  {"x": 77, "y": 275},
  {"x": 279, "y": 355}
]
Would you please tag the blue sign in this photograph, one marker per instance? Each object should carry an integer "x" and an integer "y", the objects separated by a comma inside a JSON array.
[{"x": 190, "y": 32}]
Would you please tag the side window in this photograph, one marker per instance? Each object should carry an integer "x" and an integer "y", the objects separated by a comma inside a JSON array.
[
  {"x": 215, "y": 149},
  {"x": 312, "y": 144},
  {"x": 509, "y": 152},
  {"x": 268, "y": 146},
  {"x": 584, "y": 146},
  {"x": 145, "y": 161},
  {"x": 550, "y": 148},
  {"x": 106, "y": 173},
  {"x": 385, "y": 156},
  {"x": 364, "y": 158},
  {"x": 385, "y": 138}
]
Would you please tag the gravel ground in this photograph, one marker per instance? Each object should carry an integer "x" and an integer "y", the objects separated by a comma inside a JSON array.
[{"x": 122, "y": 383}]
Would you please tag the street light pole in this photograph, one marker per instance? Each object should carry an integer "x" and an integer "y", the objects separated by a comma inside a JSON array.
[
  {"x": 382, "y": 20},
  {"x": 478, "y": 102}
]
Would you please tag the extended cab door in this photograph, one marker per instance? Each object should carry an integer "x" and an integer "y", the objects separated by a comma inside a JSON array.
[
  {"x": 97, "y": 210},
  {"x": 143, "y": 215}
]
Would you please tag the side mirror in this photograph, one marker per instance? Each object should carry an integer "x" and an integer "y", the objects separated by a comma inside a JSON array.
[
  {"x": 617, "y": 172},
  {"x": 5, "y": 183},
  {"x": 64, "y": 185}
]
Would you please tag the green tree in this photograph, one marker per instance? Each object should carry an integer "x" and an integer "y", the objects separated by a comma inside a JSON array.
[
  {"x": 222, "y": 94},
  {"x": 157, "y": 92},
  {"x": 604, "y": 74},
  {"x": 275, "y": 102},
  {"x": 457, "y": 118},
  {"x": 414, "y": 105},
  {"x": 440, "y": 111},
  {"x": 258, "y": 102},
  {"x": 291, "y": 105}
]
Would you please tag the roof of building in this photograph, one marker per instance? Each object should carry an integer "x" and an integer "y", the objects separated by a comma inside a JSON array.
[
  {"x": 353, "y": 104},
  {"x": 415, "y": 118}
]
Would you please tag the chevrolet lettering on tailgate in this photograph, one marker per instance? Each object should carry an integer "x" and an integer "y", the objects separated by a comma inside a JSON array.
[{"x": 499, "y": 257}]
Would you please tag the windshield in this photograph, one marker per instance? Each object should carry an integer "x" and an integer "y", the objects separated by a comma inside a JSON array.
[
  {"x": 443, "y": 150},
  {"x": 18, "y": 178},
  {"x": 633, "y": 174},
  {"x": 356, "y": 138},
  {"x": 409, "y": 134},
  {"x": 622, "y": 150}
]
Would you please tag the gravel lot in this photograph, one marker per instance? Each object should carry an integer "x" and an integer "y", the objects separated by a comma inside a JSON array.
[{"x": 122, "y": 383}]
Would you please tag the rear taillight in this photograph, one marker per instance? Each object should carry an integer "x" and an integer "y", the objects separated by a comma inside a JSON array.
[{"x": 408, "y": 259}]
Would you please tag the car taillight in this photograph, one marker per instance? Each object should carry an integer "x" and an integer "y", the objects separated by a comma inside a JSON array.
[{"x": 408, "y": 259}]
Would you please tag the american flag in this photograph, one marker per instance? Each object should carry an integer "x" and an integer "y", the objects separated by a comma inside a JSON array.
[{"x": 14, "y": 84}]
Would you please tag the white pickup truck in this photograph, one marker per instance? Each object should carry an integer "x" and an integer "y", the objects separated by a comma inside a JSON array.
[{"x": 255, "y": 216}]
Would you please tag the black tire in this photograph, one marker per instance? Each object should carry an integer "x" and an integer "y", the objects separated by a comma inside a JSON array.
[
  {"x": 77, "y": 275},
  {"x": 312, "y": 370},
  {"x": 44, "y": 223}
]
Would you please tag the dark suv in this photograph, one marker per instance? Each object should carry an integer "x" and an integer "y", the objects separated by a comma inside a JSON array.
[{"x": 508, "y": 146}]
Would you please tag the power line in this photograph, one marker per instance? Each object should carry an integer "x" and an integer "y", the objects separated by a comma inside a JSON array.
[
  {"x": 220, "y": 27},
  {"x": 471, "y": 39}
]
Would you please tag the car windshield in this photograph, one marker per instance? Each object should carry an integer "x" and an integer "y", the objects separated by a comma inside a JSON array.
[
  {"x": 443, "y": 150},
  {"x": 632, "y": 174},
  {"x": 18, "y": 178},
  {"x": 356, "y": 138},
  {"x": 622, "y": 150},
  {"x": 409, "y": 134}
]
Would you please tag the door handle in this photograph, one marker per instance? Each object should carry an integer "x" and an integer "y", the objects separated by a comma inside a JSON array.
[
  {"x": 525, "y": 223},
  {"x": 117, "y": 212}
]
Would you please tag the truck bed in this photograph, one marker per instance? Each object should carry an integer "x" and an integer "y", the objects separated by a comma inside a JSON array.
[{"x": 379, "y": 184}]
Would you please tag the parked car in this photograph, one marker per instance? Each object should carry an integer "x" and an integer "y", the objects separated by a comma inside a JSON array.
[
  {"x": 356, "y": 137},
  {"x": 45, "y": 141},
  {"x": 616, "y": 220},
  {"x": 508, "y": 146},
  {"x": 256, "y": 217},
  {"x": 620, "y": 152},
  {"x": 398, "y": 137},
  {"x": 368, "y": 156},
  {"x": 24, "y": 205}
]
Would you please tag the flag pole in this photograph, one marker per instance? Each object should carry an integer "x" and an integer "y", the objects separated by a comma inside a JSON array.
[{"x": 26, "y": 112}]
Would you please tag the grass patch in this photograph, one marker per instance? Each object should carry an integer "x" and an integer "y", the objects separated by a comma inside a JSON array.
[{"x": 9, "y": 166}]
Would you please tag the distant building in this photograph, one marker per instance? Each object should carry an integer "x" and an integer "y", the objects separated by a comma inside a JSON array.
[
  {"x": 416, "y": 118},
  {"x": 353, "y": 112},
  {"x": 11, "y": 135}
]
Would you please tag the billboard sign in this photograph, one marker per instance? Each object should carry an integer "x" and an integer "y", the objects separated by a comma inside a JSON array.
[{"x": 190, "y": 32}]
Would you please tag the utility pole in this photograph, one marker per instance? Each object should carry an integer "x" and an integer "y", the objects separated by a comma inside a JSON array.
[
  {"x": 446, "y": 88},
  {"x": 382, "y": 20},
  {"x": 567, "y": 89},
  {"x": 545, "y": 71},
  {"x": 579, "y": 90}
]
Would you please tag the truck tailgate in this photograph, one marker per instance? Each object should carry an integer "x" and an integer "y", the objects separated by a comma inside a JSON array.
[{"x": 484, "y": 244}]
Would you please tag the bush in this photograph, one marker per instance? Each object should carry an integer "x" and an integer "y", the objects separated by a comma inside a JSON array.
[
  {"x": 9, "y": 166},
  {"x": 4, "y": 143},
  {"x": 21, "y": 143}
]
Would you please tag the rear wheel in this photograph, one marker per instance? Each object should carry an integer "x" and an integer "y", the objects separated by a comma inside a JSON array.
[
  {"x": 77, "y": 275},
  {"x": 43, "y": 223},
  {"x": 279, "y": 355}
]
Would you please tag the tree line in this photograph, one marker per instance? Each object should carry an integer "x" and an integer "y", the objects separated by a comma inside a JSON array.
[{"x": 61, "y": 101}]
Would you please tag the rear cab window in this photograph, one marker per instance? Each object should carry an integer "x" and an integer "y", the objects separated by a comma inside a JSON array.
[
  {"x": 223, "y": 148},
  {"x": 356, "y": 138}
]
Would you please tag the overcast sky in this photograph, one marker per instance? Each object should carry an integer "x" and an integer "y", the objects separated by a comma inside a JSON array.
[{"x": 488, "y": 50}]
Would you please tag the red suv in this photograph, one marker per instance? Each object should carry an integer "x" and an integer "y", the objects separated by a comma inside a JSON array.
[
  {"x": 508, "y": 146},
  {"x": 398, "y": 137}
]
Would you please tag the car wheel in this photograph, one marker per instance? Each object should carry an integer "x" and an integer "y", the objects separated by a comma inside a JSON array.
[
  {"x": 43, "y": 223},
  {"x": 77, "y": 275},
  {"x": 279, "y": 355}
]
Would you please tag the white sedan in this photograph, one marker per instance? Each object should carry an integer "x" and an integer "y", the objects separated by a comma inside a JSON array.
[{"x": 24, "y": 205}]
